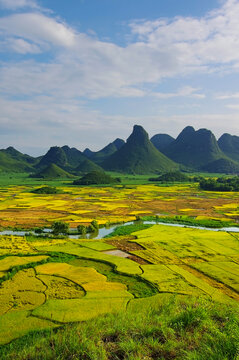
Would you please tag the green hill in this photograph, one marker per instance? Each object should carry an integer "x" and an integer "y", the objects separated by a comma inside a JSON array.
[
  {"x": 9, "y": 162},
  {"x": 69, "y": 159},
  {"x": 138, "y": 156},
  {"x": 73, "y": 156},
  {"x": 197, "y": 150},
  {"x": 87, "y": 166},
  {"x": 225, "y": 166},
  {"x": 78, "y": 162},
  {"x": 87, "y": 152},
  {"x": 17, "y": 155},
  {"x": 161, "y": 141},
  {"x": 229, "y": 144},
  {"x": 52, "y": 171},
  {"x": 55, "y": 155},
  {"x": 101, "y": 155}
]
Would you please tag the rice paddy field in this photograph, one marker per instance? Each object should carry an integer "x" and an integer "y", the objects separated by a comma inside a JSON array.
[
  {"x": 20, "y": 208},
  {"x": 46, "y": 283}
]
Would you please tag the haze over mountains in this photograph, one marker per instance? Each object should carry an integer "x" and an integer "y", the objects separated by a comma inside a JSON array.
[{"x": 191, "y": 151}]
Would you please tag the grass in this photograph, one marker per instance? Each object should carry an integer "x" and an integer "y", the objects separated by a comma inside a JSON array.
[
  {"x": 18, "y": 323},
  {"x": 192, "y": 221},
  {"x": 189, "y": 329},
  {"x": 128, "y": 229},
  {"x": 9, "y": 178}
]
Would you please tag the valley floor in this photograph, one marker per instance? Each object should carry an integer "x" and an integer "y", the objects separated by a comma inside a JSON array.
[{"x": 178, "y": 287}]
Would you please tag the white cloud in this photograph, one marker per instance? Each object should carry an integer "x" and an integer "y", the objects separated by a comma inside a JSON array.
[
  {"x": 85, "y": 66},
  {"x": 20, "y": 46},
  {"x": 186, "y": 91},
  {"x": 38, "y": 28},
  {"x": 16, "y": 4},
  {"x": 227, "y": 96},
  {"x": 211, "y": 39},
  {"x": 233, "y": 106}
]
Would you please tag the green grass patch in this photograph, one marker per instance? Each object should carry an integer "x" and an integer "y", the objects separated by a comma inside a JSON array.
[
  {"x": 176, "y": 329},
  {"x": 190, "y": 220},
  {"x": 128, "y": 229}
]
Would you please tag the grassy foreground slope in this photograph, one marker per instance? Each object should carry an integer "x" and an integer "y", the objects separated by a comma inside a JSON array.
[{"x": 178, "y": 329}]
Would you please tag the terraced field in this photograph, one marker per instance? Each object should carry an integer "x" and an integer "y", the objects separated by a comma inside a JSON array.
[{"x": 49, "y": 282}]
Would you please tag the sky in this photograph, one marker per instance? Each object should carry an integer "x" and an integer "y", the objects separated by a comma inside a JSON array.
[{"x": 83, "y": 72}]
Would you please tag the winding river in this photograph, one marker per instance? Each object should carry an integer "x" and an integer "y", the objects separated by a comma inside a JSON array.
[{"x": 107, "y": 230}]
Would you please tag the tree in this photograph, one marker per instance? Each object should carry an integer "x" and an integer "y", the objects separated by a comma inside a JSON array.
[
  {"x": 81, "y": 229},
  {"x": 60, "y": 227}
]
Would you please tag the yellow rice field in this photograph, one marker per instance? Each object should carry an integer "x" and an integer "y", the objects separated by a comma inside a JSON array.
[{"x": 20, "y": 207}]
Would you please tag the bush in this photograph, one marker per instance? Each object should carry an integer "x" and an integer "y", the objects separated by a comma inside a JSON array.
[
  {"x": 60, "y": 227},
  {"x": 172, "y": 176},
  {"x": 46, "y": 190},
  {"x": 220, "y": 184},
  {"x": 81, "y": 229}
]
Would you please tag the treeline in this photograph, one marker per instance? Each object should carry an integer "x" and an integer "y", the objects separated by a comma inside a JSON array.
[
  {"x": 220, "y": 184},
  {"x": 175, "y": 176}
]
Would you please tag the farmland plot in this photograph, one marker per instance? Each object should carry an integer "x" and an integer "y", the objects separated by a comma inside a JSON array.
[{"x": 80, "y": 205}]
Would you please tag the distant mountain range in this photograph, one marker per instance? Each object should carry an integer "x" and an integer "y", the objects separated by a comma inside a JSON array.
[{"x": 191, "y": 151}]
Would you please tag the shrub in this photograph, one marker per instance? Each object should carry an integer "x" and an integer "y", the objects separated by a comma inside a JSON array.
[{"x": 60, "y": 227}]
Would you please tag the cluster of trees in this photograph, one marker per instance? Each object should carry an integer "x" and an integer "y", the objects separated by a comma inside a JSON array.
[
  {"x": 220, "y": 184},
  {"x": 96, "y": 178},
  {"x": 172, "y": 176},
  {"x": 93, "y": 227},
  {"x": 61, "y": 227},
  {"x": 46, "y": 190}
]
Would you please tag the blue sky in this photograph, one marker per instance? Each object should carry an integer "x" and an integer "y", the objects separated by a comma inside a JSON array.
[{"x": 83, "y": 72}]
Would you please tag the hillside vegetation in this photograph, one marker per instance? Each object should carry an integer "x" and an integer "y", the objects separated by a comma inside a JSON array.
[
  {"x": 101, "y": 155},
  {"x": 52, "y": 171},
  {"x": 138, "y": 156},
  {"x": 96, "y": 178},
  {"x": 229, "y": 144},
  {"x": 161, "y": 141},
  {"x": 172, "y": 176},
  {"x": 191, "y": 151},
  {"x": 199, "y": 150}
]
